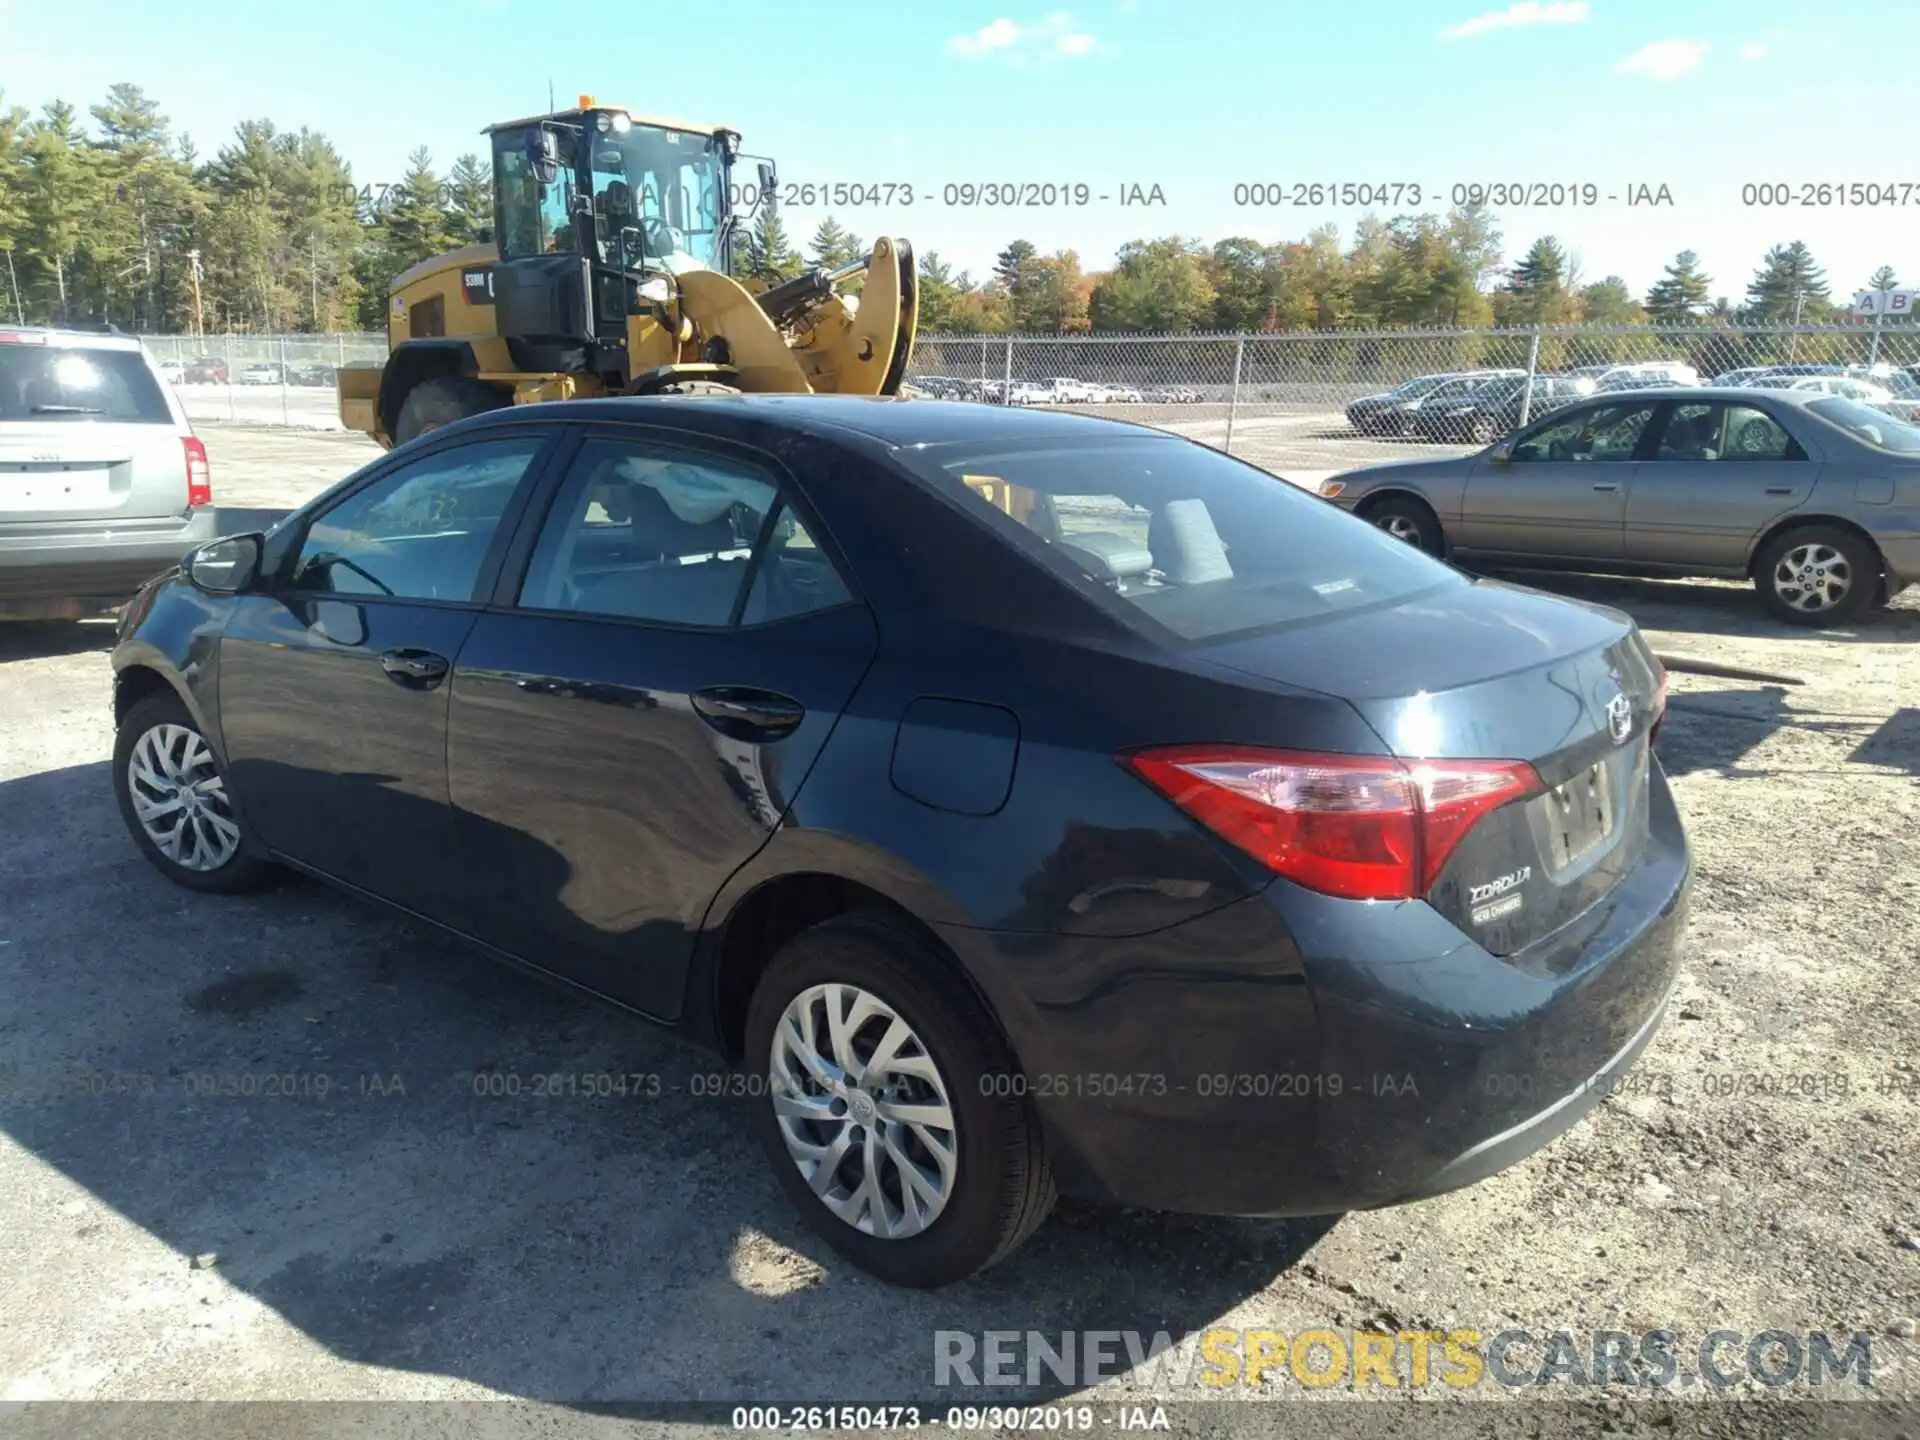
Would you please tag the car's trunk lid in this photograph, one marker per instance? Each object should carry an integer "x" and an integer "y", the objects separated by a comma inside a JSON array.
[
  {"x": 1498, "y": 672},
  {"x": 89, "y": 470}
]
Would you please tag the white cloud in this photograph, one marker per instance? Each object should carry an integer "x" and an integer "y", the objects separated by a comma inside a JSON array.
[
  {"x": 1521, "y": 15},
  {"x": 1753, "y": 50},
  {"x": 1664, "y": 59},
  {"x": 996, "y": 36},
  {"x": 1056, "y": 33}
]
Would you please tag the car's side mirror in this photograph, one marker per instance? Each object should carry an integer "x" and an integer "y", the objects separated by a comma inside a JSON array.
[
  {"x": 1501, "y": 454},
  {"x": 226, "y": 566}
]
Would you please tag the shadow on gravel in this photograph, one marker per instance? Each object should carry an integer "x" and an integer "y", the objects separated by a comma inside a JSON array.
[
  {"x": 345, "y": 1108},
  {"x": 40, "y": 639}
]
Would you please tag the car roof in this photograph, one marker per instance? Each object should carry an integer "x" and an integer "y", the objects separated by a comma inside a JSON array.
[
  {"x": 893, "y": 422},
  {"x": 72, "y": 339}
]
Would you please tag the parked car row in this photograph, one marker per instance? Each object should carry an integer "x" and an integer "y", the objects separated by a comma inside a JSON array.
[
  {"x": 1476, "y": 406},
  {"x": 208, "y": 370},
  {"x": 1882, "y": 386},
  {"x": 1056, "y": 390}
]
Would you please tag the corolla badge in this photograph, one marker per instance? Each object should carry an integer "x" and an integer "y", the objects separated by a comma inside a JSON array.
[{"x": 1619, "y": 717}]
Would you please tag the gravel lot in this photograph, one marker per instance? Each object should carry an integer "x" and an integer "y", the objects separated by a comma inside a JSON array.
[{"x": 401, "y": 1238}]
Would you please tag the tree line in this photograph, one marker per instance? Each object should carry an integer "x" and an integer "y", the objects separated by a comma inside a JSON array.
[{"x": 120, "y": 221}]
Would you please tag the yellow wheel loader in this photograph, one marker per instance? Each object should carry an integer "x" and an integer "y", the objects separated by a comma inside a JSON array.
[{"x": 609, "y": 271}]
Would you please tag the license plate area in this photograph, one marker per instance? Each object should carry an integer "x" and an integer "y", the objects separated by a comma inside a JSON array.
[
  {"x": 55, "y": 487},
  {"x": 1579, "y": 816}
]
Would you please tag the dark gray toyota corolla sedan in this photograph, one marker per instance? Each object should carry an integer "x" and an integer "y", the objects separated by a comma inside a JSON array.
[
  {"x": 1815, "y": 498},
  {"x": 1028, "y": 802}
]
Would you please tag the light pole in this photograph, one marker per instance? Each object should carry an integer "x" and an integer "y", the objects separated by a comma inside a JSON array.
[{"x": 199, "y": 321}]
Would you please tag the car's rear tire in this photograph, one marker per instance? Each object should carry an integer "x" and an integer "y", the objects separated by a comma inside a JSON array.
[
  {"x": 1408, "y": 520},
  {"x": 1818, "y": 575},
  {"x": 433, "y": 403},
  {"x": 983, "y": 1182},
  {"x": 1483, "y": 430},
  {"x": 163, "y": 768}
]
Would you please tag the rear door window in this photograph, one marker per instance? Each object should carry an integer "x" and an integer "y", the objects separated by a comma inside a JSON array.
[
  {"x": 1178, "y": 539},
  {"x": 645, "y": 531},
  {"x": 41, "y": 383}
]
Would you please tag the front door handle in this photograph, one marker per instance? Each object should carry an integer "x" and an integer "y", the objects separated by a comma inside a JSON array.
[
  {"x": 1606, "y": 487},
  {"x": 416, "y": 669},
  {"x": 741, "y": 712},
  {"x": 1779, "y": 489}
]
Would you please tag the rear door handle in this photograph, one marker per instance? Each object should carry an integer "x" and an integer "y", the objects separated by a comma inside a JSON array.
[
  {"x": 741, "y": 712},
  {"x": 1606, "y": 487},
  {"x": 416, "y": 669},
  {"x": 1779, "y": 489}
]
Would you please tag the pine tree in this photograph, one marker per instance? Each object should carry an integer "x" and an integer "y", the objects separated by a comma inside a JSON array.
[
  {"x": 1539, "y": 284},
  {"x": 834, "y": 246},
  {"x": 1682, "y": 293},
  {"x": 469, "y": 200},
  {"x": 764, "y": 249},
  {"x": 939, "y": 293},
  {"x": 1883, "y": 279},
  {"x": 1788, "y": 287},
  {"x": 415, "y": 222},
  {"x": 55, "y": 197}
]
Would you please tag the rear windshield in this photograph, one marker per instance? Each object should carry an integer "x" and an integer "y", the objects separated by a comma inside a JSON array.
[
  {"x": 1191, "y": 545},
  {"x": 42, "y": 383},
  {"x": 1875, "y": 427}
]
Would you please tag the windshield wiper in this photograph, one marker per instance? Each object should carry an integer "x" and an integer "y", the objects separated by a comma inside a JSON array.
[{"x": 65, "y": 410}]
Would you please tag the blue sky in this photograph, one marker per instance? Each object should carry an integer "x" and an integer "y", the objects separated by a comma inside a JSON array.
[{"x": 1194, "y": 98}]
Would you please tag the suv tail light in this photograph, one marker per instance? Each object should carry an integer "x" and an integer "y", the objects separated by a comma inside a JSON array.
[
  {"x": 1363, "y": 827},
  {"x": 199, "y": 474}
]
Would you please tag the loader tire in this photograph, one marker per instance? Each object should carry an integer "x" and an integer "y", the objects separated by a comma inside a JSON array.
[{"x": 433, "y": 403}]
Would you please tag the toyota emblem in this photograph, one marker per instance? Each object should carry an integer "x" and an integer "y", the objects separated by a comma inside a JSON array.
[{"x": 1619, "y": 717}]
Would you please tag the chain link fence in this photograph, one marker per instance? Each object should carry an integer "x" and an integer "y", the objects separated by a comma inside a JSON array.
[
  {"x": 1305, "y": 404},
  {"x": 1309, "y": 404}
]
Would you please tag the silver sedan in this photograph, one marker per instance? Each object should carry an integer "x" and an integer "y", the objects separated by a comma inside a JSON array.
[{"x": 1814, "y": 497}]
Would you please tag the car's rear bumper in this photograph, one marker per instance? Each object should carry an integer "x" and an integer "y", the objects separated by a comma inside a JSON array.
[
  {"x": 1296, "y": 1054},
  {"x": 63, "y": 570}
]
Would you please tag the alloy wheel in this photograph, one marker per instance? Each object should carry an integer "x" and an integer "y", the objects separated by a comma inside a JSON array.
[
  {"x": 1812, "y": 578},
  {"x": 1401, "y": 527},
  {"x": 180, "y": 800},
  {"x": 864, "y": 1111}
]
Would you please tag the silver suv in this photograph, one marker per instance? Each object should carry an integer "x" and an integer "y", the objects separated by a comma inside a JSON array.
[{"x": 102, "y": 483}]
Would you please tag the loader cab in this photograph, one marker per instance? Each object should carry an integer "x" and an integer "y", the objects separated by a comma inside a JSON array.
[{"x": 588, "y": 204}]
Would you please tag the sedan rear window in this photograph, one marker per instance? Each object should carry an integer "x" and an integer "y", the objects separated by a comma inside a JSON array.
[
  {"x": 1193, "y": 545},
  {"x": 1873, "y": 427},
  {"x": 41, "y": 383}
]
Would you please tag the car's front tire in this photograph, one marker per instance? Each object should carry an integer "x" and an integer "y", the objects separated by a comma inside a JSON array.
[
  {"x": 893, "y": 1111},
  {"x": 172, "y": 792},
  {"x": 1818, "y": 575}
]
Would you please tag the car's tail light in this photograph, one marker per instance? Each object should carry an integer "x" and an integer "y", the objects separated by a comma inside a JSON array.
[
  {"x": 199, "y": 474},
  {"x": 22, "y": 337},
  {"x": 1364, "y": 827}
]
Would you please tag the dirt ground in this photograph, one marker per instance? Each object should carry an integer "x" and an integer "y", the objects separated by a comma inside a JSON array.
[{"x": 413, "y": 1240}]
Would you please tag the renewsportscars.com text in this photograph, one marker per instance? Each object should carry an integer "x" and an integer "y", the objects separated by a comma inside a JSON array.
[{"x": 1222, "y": 1359}]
